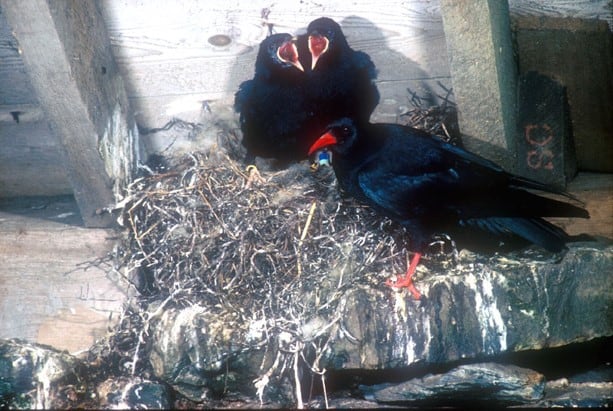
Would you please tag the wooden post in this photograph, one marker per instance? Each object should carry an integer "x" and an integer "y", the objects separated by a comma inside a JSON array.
[
  {"x": 578, "y": 53},
  {"x": 67, "y": 54},
  {"x": 545, "y": 149},
  {"x": 484, "y": 76}
]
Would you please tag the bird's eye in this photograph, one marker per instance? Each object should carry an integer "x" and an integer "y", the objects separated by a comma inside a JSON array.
[{"x": 342, "y": 134}]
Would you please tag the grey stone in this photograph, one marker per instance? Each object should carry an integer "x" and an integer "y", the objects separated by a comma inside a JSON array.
[
  {"x": 37, "y": 376},
  {"x": 562, "y": 393},
  {"x": 201, "y": 353},
  {"x": 504, "y": 384},
  {"x": 483, "y": 306},
  {"x": 133, "y": 393}
]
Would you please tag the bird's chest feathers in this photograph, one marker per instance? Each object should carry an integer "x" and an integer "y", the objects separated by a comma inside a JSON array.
[{"x": 348, "y": 169}]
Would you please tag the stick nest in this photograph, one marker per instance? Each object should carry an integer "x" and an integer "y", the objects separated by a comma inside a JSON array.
[{"x": 280, "y": 250}]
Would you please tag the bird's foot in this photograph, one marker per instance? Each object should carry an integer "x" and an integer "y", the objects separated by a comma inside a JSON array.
[
  {"x": 407, "y": 280},
  {"x": 254, "y": 176}
]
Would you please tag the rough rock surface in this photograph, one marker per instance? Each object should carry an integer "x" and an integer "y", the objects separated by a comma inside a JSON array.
[
  {"x": 196, "y": 352},
  {"x": 475, "y": 309},
  {"x": 481, "y": 382},
  {"x": 480, "y": 308},
  {"x": 133, "y": 393},
  {"x": 562, "y": 393},
  {"x": 36, "y": 376}
]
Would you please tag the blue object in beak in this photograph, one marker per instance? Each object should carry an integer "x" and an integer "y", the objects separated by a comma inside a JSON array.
[{"x": 323, "y": 158}]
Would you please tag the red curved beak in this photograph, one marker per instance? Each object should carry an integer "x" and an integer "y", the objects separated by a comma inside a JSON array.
[{"x": 325, "y": 140}]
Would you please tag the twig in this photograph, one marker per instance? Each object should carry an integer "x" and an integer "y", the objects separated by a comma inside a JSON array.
[
  {"x": 303, "y": 236},
  {"x": 298, "y": 387}
]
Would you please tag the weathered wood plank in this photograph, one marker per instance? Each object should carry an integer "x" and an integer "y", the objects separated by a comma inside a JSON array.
[
  {"x": 15, "y": 85},
  {"x": 51, "y": 290},
  {"x": 584, "y": 9},
  {"x": 596, "y": 191},
  {"x": 31, "y": 158},
  {"x": 484, "y": 76},
  {"x": 170, "y": 67},
  {"x": 579, "y": 54},
  {"x": 20, "y": 113},
  {"x": 66, "y": 52},
  {"x": 545, "y": 148}
]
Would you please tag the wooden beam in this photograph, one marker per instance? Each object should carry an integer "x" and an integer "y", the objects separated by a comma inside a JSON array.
[
  {"x": 31, "y": 159},
  {"x": 484, "y": 76},
  {"x": 53, "y": 289},
  {"x": 579, "y": 54},
  {"x": 595, "y": 190},
  {"x": 67, "y": 54},
  {"x": 171, "y": 64}
]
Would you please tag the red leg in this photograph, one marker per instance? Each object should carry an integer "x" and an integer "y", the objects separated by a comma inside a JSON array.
[{"x": 407, "y": 280}]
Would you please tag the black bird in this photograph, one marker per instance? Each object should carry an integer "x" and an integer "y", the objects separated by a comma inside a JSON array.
[
  {"x": 301, "y": 85},
  {"x": 340, "y": 80},
  {"x": 272, "y": 104},
  {"x": 431, "y": 187}
]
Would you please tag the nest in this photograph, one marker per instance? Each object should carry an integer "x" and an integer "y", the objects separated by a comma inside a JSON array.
[
  {"x": 280, "y": 248},
  {"x": 208, "y": 232},
  {"x": 438, "y": 120}
]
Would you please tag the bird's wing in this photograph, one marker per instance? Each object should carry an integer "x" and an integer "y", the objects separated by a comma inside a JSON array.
[
  {"x": 414, "y": 174},
  {"x": 243, "y": 95},
  {"x": 402, "y": 186},
  {"x": 470, "y": 161},
  {"x": 439, "y": 180}
]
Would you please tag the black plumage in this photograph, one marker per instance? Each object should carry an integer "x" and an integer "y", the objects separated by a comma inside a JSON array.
[
  {"x": 340, "y": 80},
  {"x": 290, "y": 100},
  {"x": 272, "y": 104},
  {"x": 431, "y": 187}
]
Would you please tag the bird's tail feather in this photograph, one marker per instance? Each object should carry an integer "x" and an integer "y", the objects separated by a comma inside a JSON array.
[
  {"x": 527, "y": 204},
  {"x": 535, "y": 230},
  {"x": 526, "y": 183}
]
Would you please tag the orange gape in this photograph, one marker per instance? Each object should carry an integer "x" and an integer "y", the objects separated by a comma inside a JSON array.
[{"x": 318, "y": 45}]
